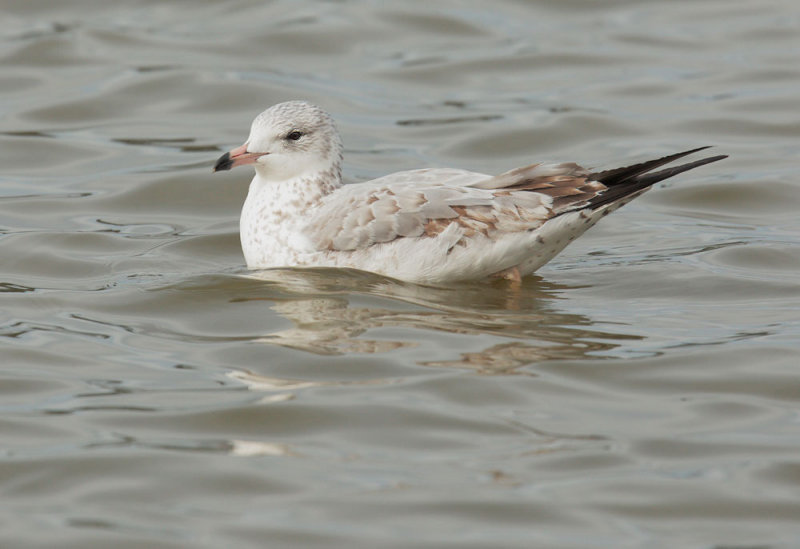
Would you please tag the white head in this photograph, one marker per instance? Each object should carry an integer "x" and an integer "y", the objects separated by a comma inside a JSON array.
[{"x": 288, "y": 140}]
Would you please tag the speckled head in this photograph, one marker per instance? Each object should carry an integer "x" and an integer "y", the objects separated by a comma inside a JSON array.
[{"x": 289, "y": 140}]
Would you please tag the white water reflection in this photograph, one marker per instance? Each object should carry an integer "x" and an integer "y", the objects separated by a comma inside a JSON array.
[{"x": 321, "y": 304}]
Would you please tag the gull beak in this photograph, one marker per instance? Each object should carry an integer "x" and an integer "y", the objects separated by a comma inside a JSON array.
[{"x": 236, "y": 157}]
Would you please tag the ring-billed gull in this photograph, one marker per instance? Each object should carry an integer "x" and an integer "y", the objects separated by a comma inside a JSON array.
[{"x": 424, "y": 226}]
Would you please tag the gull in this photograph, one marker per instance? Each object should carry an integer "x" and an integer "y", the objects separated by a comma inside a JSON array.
[{"x": 427, "y": 226}]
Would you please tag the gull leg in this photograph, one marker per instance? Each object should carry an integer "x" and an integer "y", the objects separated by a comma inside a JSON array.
[{"x": 511, "y": 274}]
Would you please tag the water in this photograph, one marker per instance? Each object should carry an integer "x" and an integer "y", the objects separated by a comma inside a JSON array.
[{"x": 641, "y": 392}]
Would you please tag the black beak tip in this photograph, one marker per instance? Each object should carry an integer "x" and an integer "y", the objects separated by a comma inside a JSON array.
[{"x": 224, "y": 163}]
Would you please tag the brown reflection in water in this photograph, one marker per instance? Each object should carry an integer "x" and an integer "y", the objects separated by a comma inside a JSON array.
[
  {"x": 506, "y": 358},
  {"x": 319, "y": 303}
]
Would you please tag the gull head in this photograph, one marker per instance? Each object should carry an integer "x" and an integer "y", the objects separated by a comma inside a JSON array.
[{"x": 287, "y": 141}]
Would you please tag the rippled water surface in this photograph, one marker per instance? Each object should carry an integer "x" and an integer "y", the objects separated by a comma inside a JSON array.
[{"x": 641, "y": 392}]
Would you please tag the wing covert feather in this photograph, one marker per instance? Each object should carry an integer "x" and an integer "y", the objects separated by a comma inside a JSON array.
[{"x": 423, "y": 203}]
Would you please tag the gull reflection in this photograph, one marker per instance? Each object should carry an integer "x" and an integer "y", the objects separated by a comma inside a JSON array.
[
  {"x": 282, "y": 390},
  {"x": 249, "y": 448},
  {"x": 333, "y": 311}
]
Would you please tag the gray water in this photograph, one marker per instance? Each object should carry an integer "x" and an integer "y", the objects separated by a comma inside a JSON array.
[{"x": 641, "y": 392}]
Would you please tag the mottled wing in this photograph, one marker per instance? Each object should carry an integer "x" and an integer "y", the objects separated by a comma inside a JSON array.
[
  {"x": 426, "y": 202},
  {"x": 396, "y": 206},
  {"x": 568, "y": 185}
]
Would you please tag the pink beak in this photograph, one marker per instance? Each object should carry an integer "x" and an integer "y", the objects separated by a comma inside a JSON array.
[{"x": 237, "y": 157}]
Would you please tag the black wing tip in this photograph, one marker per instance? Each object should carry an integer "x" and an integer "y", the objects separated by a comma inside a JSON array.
[
  {"x": 623, "y": 182},
  {"x": 628, "y": 174},
  {"x": 650, "y": 178},
  {"x": 717, "y": 157},
  {"x": 704, "y": 147}
]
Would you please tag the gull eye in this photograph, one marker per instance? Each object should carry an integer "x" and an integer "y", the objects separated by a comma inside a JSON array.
[{"x": 294, "y": 135}]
